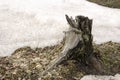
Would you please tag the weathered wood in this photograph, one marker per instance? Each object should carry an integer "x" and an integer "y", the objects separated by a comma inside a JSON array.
[
  {"x": 82, "y": 28},
  {"x": 78, "y": 43}
]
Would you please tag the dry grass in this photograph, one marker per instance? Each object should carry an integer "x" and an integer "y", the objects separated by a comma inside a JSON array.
[
  {"x": 27, "y": 64},
  {"x": 108, "y": 3}
]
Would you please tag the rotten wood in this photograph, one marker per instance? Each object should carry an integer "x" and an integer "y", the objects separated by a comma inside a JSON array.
[{"x": 78, "y": 42}]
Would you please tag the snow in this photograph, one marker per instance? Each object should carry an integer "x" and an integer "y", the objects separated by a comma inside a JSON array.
[
  {"x": 40, "y": 23},
  {"x": 96, "y": 77}
]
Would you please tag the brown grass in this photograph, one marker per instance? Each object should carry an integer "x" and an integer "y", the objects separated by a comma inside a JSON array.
[{"x": 108, "y": 3}]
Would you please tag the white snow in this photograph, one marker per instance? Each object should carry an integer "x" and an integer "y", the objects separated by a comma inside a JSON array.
[
  {"x": 96, "y": 77},
  {"x": 39, "y": 23}
]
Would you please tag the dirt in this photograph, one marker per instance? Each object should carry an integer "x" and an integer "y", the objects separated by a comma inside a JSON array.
[
  {"x": 28, "y": 64},
  {"x": 108, "y": 3}
]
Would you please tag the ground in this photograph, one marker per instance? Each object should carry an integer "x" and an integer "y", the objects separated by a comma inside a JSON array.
[
  {"x": 108, "y": 3},
  {"x": 28, "y": 64}
]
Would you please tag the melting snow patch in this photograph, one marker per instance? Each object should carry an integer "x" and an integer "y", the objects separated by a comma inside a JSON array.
[{"x": 96, "y": 77}]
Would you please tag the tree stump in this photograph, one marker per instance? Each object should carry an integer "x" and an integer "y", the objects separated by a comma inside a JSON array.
[{"x": 78, "y": 43}]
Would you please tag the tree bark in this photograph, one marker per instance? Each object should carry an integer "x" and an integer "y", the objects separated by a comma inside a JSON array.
[
  {"x": 82, "y": 27},
  {"x": 78, "y": 43}
]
